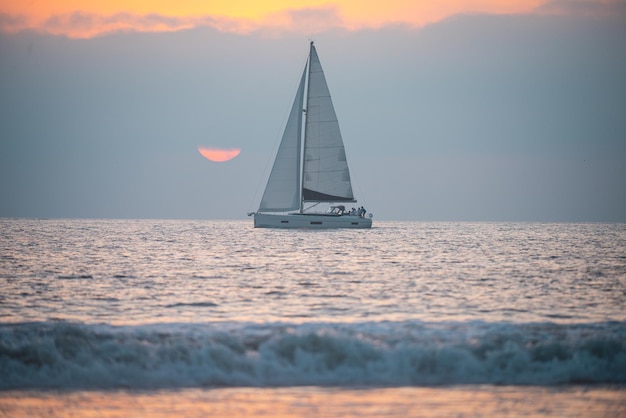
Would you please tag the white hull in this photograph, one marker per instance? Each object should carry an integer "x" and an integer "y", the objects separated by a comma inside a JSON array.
[{"x": 310, "y": 221}]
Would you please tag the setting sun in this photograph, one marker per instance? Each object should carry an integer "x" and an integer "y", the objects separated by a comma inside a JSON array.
[{"x": 219, "y": 155}]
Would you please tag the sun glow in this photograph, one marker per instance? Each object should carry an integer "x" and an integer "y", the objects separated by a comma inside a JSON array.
[
  {"x": 80, "y": 19},
  {"x": 219, "y": 155}
]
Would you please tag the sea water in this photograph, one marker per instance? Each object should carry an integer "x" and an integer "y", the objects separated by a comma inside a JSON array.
[{"x": 152, "y": 317}]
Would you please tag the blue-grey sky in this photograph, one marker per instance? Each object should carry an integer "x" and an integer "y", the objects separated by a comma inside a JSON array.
[{"x": 481, "y": 117}]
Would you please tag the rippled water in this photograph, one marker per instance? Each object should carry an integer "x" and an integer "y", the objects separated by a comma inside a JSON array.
[
  {"x": 174, "y": 307},
  {"x": 138, "y": 272}
]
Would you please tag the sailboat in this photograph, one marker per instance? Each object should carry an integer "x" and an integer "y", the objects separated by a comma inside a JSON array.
[{"x": 310, "y": 170}]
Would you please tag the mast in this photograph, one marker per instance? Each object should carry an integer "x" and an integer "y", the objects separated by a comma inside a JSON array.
[{"x": 304, "y": 119}]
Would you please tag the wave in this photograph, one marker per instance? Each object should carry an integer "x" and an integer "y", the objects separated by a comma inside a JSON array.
[
  {"x": 192, "y": 304},
  {"x": 73, "y": 355}
]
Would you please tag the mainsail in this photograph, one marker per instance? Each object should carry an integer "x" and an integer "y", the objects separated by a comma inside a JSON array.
[
  {"x": 324, "y": 170},
  {"x": 326, "y": 174}
]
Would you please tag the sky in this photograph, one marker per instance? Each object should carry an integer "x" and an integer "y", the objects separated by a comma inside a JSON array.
[{"x": 450, "y": 110}]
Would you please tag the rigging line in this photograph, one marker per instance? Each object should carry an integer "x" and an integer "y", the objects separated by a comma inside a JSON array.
[
  {"x": 360, "y": 191},
  {"x": 353, "y": 180}
]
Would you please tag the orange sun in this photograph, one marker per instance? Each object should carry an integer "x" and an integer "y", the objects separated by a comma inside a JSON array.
[{"x": 219, "y": 155}]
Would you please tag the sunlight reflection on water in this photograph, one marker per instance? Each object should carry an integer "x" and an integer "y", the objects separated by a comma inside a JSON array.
[{"x": 489, "y": 401}]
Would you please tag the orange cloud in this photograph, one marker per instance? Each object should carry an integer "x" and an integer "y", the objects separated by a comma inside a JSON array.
[
  {"x": 84, "y": 25},
  {"x": 219, "y": 155},
  {"x": 81, "y": 19}
]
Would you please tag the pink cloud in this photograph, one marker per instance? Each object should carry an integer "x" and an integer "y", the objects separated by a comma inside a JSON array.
[{"x": 585, "y": 8}]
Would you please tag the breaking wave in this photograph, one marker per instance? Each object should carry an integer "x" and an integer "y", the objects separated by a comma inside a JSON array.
[{"x": 72, "y": 355}]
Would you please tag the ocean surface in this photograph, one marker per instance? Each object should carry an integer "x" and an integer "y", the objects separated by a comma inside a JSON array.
[{"x": 198, "y": 318}]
